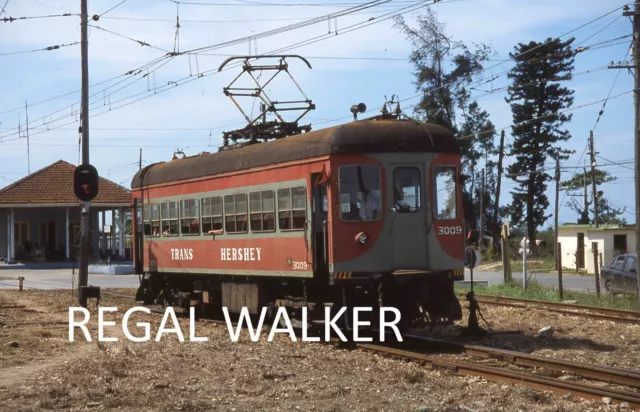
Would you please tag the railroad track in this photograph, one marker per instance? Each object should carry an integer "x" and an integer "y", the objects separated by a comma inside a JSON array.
[
  {"x": 593, "y": 312},
  {"x": 619, "y": 376},
  {"x": 502, "y": 375}
]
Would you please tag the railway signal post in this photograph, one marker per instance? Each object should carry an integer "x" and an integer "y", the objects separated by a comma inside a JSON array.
[{"x": 86, "y": 176}]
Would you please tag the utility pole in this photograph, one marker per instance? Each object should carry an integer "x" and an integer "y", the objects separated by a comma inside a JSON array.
[
  {"x": 26, "y": 109},
  {"x": 140, "y": 160},
  {"x": 557, "y": 206},
  {"x": 636, "y": 98},
  {"x": 594, "y": 194},
  {"x": 85, "y": 245},
  {"x": 481, "y": 212},
  {"x": 496, "y": 206}
]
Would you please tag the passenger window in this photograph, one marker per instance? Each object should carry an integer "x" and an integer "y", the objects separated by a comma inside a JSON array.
[
  {"x": 262, "y": 208},
  {"x": 151, "y": 220},
  {"x": 190, "y": 217},
  {"x": 619, "y": 263},
  {"x": 292, "y": 208},
  {"x": 630, "y": 263},
  {"x": 169, "y": 214},
  {"x": 360, "y": 192},
  {"x": 445, "y": 192},
  {"x": 211, "y": 209},
  {"x": 235, "y": 213},
  {"x": 406, "y": 189}
]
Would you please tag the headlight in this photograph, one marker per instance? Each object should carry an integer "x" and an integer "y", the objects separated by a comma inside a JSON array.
[{"x": 362, "y": 238}]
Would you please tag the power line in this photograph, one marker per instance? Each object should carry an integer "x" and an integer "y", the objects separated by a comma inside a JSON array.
[
  {"x": 4, "y": 7},
  {"x": 49, "y": 48},
  {"x": 252, "y": 3},
  {"x": 12, "y": 19},
  {"x": 140, "y": 42},
  {"x": 117, "y": 5},
  {"x": 620, "y": 164},
  {"x": 213, "y": 71}
]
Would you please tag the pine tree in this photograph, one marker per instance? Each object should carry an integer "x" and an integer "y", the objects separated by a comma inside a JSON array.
[{"x": 537, "y": 100}]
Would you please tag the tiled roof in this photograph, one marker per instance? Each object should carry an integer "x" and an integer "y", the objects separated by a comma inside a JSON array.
[{"x": 54, "y": 184}]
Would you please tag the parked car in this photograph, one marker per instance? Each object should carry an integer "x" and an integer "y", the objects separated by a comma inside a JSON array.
[{"x": 620, "y": 274}]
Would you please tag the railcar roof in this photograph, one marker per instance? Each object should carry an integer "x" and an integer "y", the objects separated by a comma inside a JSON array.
[{"x": 367, "y": 136}]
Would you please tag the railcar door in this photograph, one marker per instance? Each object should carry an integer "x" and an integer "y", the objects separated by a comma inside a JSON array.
[
  {"x": 319, "y": 224},
  {"x": 408, "y": 213}
]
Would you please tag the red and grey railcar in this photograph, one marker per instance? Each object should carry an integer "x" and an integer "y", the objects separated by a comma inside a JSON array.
[{"x": 367, "y": 213}]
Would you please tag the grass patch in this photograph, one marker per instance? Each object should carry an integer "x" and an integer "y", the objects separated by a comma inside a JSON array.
[{"x": 535, "y": 291}]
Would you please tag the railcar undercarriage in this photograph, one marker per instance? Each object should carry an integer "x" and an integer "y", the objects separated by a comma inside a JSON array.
[{"x": 421, "y": 302}]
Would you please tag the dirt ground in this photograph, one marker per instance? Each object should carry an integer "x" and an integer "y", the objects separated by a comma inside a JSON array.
[{"x": 41, "y": 370}]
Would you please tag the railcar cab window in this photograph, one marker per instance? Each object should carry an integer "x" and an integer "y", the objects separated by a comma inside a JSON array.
[
  {"x": 406, "y": 189},
  {"x": 151, "y": 216},
  {"x": 169, "y": 215},
  {"x": 360, "y": 193},
  {"x": 211, "y": 214},
  {"x": 235, "y": 213},
  {"x": 190, "y": 217},
  {"x": 292, "y": 208},
  {"x": 262, "y": 208},
  {"x": 445, "y": 192}
]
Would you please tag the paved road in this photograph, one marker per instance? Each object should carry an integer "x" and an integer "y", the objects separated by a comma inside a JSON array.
[
  {"x": 61, "y": 279},
  {"x": 573, "y": 282}
]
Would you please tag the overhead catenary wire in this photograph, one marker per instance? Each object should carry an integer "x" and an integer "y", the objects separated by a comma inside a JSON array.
[
  {"x": 241, "y": 40},
  {"x": 190, "y": 78}
]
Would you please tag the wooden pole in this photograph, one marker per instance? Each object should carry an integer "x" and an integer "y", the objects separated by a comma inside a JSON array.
[
  {"x": 524, "y": 263},
  {"x": 596, "y": 269},
  {"x": 557, "y": 206},
  {"x": 496, "y": 206},
  {"x": 481, "y": 212},
  {"x": 559, "y": 264}
]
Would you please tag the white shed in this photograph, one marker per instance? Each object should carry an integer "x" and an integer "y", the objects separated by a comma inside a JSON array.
[{"x": 577, "y": 244}]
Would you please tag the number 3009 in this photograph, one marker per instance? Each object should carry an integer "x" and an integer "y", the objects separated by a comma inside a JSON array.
[{"x": 449, "y": 230}]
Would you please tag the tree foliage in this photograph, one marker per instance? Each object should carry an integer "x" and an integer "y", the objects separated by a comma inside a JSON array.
[
  {"x": 445, "y": 69},
  {"x": 537, "y": 100},
  {"x": 607, "y": 213}
]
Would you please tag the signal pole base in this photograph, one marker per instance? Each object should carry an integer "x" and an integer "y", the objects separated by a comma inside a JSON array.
[
  {"x": 473, "y": 328},
  {"x": 87, "y": 292}
]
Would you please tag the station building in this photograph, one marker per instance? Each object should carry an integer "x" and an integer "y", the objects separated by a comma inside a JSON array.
[{"x": 40, "y": 218}]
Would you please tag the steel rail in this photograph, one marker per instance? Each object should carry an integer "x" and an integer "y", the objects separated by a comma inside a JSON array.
[
  {"x": 620, "y": 376},
  {"x": 594, "y": 312},
  {"x": 494, "y": 374}
]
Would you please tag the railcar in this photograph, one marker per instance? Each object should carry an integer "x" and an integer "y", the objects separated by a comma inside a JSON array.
[{"x": 367, "y": 213}]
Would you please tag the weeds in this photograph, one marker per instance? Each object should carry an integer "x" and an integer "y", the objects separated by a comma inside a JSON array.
[{"x": 536, "y": 291}]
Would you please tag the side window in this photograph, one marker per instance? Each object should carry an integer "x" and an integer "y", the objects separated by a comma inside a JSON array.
[
  {"x": 630, "y": 263},
  {"x": 619, "y": 264},
  {"x": 292, "y": 208},
  {"x": 151, "y": 220},
  {"x": 406, "y": 189},
  {"x": 360, "y": 192},
  {"x": 169, "y": 215},
  {"x": 262, "y": 209},
  {"x": 211, "y": 214},
  {"x": 190, "y": 217},
  {"x": 235, "y": 213},
  {"x": 445, "y": 192}
]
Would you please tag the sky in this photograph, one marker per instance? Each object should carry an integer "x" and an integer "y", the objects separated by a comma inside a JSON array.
[{"x": 359, "y": 56}]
